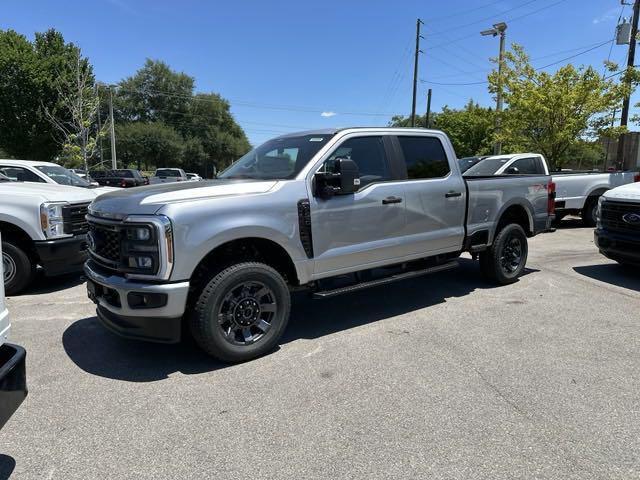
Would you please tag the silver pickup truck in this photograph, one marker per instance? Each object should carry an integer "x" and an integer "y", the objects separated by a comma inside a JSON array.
[{"x": 331, "y": 211}]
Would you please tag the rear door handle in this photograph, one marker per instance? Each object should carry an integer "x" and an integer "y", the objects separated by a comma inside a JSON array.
[
  {"x": 388, "y": 200},
  {"x": 453, "y": 194}
]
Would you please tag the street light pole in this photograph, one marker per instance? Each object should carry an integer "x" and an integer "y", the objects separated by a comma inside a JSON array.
[{"x": 498, "y": 29}]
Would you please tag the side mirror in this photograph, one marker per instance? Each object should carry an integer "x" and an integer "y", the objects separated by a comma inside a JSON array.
[
  {"x": 341, "y": 178},
  {"x": 513, "y": 171}
]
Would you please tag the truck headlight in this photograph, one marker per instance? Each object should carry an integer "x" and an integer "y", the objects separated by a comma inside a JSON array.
[
  {"x": 51, "y": 219},
  {"x": 147, "y": 246},
  {"x": 599, "y": 214}
]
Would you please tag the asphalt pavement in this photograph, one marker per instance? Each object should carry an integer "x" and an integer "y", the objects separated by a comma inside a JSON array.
[{"x": 438, "y": 377}]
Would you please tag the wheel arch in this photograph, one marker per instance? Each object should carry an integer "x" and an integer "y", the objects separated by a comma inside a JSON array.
[
  {"x": 517, "y": 213},
  {"x": 10, "y": 231}
]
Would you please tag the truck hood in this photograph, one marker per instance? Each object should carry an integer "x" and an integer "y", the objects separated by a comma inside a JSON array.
[
  {"x": 149, "y": 199},
  {"x": 48, "y": 192},
  {"x": 625, "y": 193}
]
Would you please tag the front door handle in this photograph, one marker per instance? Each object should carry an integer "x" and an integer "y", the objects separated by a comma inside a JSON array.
[
  {"x": 389, "y": 200},
  {"x": 453, "y": 194}
]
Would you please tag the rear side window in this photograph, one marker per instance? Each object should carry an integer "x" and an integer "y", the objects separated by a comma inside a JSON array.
[
  {"x": 20, "y": 174},
  {"x": 528, "y": 166},
  {"x": 424, "y": 157}
]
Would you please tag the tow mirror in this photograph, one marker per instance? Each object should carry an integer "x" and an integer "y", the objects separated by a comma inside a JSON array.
[{"x": 341, "y": 177}]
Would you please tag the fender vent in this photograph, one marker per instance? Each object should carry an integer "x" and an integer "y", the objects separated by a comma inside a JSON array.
[{"x": 304, "y": 224}]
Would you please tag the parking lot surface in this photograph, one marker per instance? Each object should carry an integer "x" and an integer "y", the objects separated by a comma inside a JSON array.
[{"x": 438, "y": 377}]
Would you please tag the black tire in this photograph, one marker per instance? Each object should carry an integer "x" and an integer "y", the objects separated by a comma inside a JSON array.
[
  {"x": 589, "y": 212},
  {"x": 17, "y": 267},
  {"x": 504, "y": 261},
  {"x": 245, "y": 299}
]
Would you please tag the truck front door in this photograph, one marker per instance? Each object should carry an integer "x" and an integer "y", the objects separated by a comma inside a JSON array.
[{"x": 358, "y": 230}]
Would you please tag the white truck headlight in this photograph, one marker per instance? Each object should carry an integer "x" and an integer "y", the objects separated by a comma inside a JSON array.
[{"x": 51, "y": 219}]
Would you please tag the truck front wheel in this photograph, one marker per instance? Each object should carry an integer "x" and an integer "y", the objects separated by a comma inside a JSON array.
[
  {"x": 17, "y": 267},
  {"x": 241, "y": 313},
  {"x": 505, "y": 260}
]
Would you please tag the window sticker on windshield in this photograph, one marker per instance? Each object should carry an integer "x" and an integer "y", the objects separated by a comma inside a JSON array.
[{"x": 316, "y": 139}]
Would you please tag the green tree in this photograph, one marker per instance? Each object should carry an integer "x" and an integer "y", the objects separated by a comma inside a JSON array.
[
  {"x": 470, "y": 128},
  {"x": 550, "y": 113},
  {"x": 146, "y": 145},
  {"x": 30, "y": 73}
]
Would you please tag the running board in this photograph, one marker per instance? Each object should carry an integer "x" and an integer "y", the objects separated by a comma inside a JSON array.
[{"x": 385, "y": 280}]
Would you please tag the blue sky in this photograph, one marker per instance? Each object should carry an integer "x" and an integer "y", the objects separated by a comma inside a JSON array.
[{"x": 293, "y": 64}]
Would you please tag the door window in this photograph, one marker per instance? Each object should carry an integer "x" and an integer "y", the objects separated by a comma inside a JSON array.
[
  {"x": 526, "y": 166},
  {"x": 20, "y": 174},
  {"x": 424, "y": 157},
  {"x": 369, "y": 154}
]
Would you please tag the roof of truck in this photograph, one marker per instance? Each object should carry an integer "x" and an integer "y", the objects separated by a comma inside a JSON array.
[
  {"x": 26, "y": 163},
  {"x": 333, "y": 131}
]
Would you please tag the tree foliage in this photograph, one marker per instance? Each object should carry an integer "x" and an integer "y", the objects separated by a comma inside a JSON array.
[
  {"x": 30, "y": 74},
  {"x": 143, "y": 145},
  {"x": 470, "y": 128},
  {"x": 550, "y": 113}
]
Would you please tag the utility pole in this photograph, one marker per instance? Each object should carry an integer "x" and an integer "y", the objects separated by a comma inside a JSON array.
[
  {"x": 498, "y": 29},
  {"x": 114, "y": 162},
  {"x": 415, "y": 73},
  {"x": 624, "y": 117},
  {"x": 428, "y": 118},
  {"x": 99, "y": 124}
]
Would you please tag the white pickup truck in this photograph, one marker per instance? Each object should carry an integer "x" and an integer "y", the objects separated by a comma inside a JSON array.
[
  {"x": 577, "y": 193},
  {"x": 13, "y": 378},
  {"x": 41, "y": 224}
]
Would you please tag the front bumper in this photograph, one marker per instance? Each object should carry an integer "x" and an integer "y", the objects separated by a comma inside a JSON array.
[
  {"x": 618, "y": 246},
  {"x": 111, "y": 294},
  {"x": 13, "y": 380},
  {"x": 64, "y": 255}
]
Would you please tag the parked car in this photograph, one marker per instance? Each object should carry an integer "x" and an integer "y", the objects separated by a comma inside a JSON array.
[
  {"x": 13, "y": 376},
  {"x": 577, "y": 193},
  {"x": 194, "y": 177},
  {"x": 79, "y": 172},
  {"x": 617, "y": 233},
  {"x": 167, "y": 175},
  {"x": 42, "y": 225},
  {"x": 44, "y": 172},
  {"x": 124, "y": 178},
  {"x": 332, "y": 211}
]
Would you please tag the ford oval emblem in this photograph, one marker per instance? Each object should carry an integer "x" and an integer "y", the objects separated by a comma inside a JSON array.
[{"x": 632, "y": 218}]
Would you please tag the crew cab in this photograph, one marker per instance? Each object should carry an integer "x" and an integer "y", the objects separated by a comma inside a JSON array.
[
  {"x": 577, "y": 193},
  {"x": 45, "y": 172},
  {"x": 168, "y": 175},
  {"x": 617, "y": 232},
  {"x": 13, "y": 377},
  {"x": 124, "y": 178},
  {"x": 331, "y": 211},
  {"x": 42, "y": 225}
]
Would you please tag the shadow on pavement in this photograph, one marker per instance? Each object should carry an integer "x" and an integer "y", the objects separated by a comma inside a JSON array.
[
  {"x": 100, "y": 352},
  {"x": 44, "y": 285},
  {"x": 7, "y": 465},
  {"x": 622, "y": 276},
  {"x": 570, "y": 222}
]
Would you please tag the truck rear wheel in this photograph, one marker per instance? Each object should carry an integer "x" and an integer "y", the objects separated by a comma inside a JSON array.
[
  {"x": 241, "y": 313},
  {"x": 17, "y": 267},
  {"x": 589, "y": 212},
  {"x": 505, "y": 260}
]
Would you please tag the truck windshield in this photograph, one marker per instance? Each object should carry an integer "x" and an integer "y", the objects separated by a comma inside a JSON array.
[
  {"x": 63, "y": 176},
  {"x": 486, "y": 167},
  {"x": 278, "y": 159}
]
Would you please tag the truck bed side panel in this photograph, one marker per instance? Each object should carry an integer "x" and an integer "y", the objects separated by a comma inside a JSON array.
[
  {"x": 574, "y": 188},
  {"x": 490, "y": 197}
]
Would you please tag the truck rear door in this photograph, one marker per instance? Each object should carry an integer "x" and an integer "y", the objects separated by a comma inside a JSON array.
[{"x": 435, "y": 194}]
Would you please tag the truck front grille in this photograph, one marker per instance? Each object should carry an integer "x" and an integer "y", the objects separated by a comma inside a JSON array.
[
  {"x": 613, "y": 215},
  {"x": 105, "y": 244},
  {"x": 74, "y": 218}
]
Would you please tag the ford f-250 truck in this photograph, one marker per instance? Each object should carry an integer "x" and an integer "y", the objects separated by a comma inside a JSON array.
[
  {"x": 330, "y": 210},
  {"x": 13, "y": 378},
  {"x": 617, "y": 233}
]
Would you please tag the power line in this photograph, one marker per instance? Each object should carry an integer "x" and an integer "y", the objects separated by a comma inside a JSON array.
[{"x": 463, "y": 12}]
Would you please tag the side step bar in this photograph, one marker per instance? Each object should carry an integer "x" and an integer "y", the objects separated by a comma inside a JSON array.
[{"x": 385, "y": 280}]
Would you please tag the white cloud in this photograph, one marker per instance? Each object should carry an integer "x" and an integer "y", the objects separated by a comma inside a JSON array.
[
  {"x": 328, "y": 114},
  {"x": 610, "y": 14}
]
